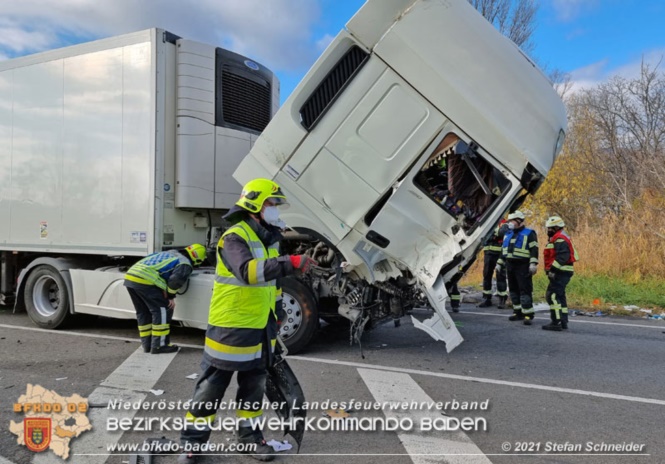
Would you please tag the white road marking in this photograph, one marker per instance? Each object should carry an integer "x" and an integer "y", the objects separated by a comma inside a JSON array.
[
  {"x": 130, "y": 382},
  {"x": 482, "y": 380},
  {"x": 87, "y": 335},
  {"x": 572, "y": 320},
  {"x": 636, "y": 399},
  {"x": 452, "y": 447}
]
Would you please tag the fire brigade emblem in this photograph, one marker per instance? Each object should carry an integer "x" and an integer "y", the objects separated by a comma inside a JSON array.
[{"x": 37, "y": 433}]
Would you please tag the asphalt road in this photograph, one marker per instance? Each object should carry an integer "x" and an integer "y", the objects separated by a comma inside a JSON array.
[{"x": 601, "y": 382}]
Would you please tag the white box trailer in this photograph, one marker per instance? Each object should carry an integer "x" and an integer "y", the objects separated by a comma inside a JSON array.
[
  {"x": 418, "y": 128},
  {"x": 113, "y": 150}
]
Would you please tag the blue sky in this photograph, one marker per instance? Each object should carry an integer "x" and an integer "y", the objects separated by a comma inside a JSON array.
[{"x": 590, "y": 39}]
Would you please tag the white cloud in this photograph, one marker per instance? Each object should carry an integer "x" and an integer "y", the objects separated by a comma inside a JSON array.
[
  {"x": 275, "y": 32},
  {"x": 568, "y": 10},
  {"x": 323, "y": 42},
  {"x": 596, "y": 73}
]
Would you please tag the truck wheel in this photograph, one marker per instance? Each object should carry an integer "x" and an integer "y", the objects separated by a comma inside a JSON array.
[
  {"x": 46, "y": 297},
  {"x": 302, "y": 316}
]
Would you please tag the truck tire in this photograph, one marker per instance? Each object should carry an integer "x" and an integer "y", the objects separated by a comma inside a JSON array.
[
  {"x": 301, "y": 320},
  {"x": 46, "y": 297}
]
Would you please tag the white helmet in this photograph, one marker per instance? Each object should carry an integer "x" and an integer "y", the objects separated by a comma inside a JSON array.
[
  {"x": 516, "y": 215},
  {"x": 555, "y": 221}
]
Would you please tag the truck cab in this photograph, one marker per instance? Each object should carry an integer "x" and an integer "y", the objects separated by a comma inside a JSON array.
[{"x": 402, "y": 148}]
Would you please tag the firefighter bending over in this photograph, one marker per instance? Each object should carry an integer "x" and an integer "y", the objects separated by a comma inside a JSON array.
[
  {"x": 242, "y": 324},
  {"x": 152, "y": 284}
]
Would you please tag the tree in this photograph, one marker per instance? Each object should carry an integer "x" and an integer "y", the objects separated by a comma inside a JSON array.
[
  {"x": 513, "y": 18},
  {"x": 628, "y": 117}
]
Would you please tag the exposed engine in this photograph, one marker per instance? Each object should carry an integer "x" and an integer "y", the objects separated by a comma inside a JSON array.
[{"x": 349, "y": 295}]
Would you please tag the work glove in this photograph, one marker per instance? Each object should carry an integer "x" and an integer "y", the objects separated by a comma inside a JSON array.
[
  {"x": 551, "y": 275},
  {"x": 302, "y": 263},
  {"x": 498, "y": 267},
  {"x": 533, "y": 268}
]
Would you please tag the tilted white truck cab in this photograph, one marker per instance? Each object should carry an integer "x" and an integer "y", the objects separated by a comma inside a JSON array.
[{"x": 403, "y": 146}]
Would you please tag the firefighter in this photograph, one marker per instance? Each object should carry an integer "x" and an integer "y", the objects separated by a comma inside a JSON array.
[
  {"x": 519, "y": 253},
  {"x": 492, "y": 253},
  {"x": 243, "y": 323},
  {"x": 455, "y": 298},
  {"x": 559, "y": 256},
  {"x": 152, "y": 284}
]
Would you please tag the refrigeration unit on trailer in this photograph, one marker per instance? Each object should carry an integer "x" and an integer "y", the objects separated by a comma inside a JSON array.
[{"x": 112, "y": 150}]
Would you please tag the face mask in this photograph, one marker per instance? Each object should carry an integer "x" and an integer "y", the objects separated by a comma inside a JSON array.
[
  {"x": 271, "y": 216},
  {"x": 551, "y": 232},
  {"x": 511, "y": 225}
]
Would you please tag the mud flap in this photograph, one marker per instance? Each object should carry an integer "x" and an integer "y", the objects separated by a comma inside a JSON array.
[
  {"x": 283, "y": 388},
  {"x": 440, "y": 326}
]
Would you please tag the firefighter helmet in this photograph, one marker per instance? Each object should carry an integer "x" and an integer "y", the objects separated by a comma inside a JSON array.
[
  {"x": 516, "y": 215},
  {"x": 197, "y": 253},
  {"x": 257, "y": 191},
  {"x": 555, "y": 221}
]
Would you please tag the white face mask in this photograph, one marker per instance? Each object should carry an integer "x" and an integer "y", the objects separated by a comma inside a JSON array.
[
  {"x": 511, "y": 225},
  {"x": 271, "y": 216}
]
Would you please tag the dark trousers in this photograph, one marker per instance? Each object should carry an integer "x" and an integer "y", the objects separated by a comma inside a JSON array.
[
  {"x": 520, "y": 284},
  {"x": 455, "y": 296},
  {"x": 556, "y": 296},
  {"x": 210, "y": 389},
  {"x": 153, "y": 315},
  {"x": 489, "y": 265}
]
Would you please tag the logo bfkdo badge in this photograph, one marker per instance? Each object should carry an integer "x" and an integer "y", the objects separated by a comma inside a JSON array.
[{"x": 37, "y": 433}]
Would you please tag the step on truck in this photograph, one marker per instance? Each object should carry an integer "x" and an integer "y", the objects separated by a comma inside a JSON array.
[{"x": 411, "y": 136}]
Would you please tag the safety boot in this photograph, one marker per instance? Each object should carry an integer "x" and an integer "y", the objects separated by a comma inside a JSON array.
[
  {"x": 517, "y": 315},
  {"x": 164, "y": 349},
  {"x": 554, "y": 325},
  {"x": 455, "y": 309},
  {"x": 502, "y": 302},
  {"x": 487, "y": 302},
  {"x": 528, "y": 319}
]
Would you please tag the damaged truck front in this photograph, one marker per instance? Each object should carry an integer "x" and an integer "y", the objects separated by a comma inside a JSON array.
[{"x": 413, "y": 134}]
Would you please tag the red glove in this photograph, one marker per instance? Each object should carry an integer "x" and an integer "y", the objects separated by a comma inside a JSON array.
[{"x": 302, "y": 263}]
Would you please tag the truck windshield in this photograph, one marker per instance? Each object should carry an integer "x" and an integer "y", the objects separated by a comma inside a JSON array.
[{"x": 461, "y": 181}]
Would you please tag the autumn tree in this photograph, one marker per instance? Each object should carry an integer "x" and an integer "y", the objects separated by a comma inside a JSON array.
[{"x": 628, "y": 117}]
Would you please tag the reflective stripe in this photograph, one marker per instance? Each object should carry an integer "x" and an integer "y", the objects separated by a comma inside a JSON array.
[
  {"x": 565, "y": 267},
  {"x": 145, "y": 327},
  {"x": 260, "y": 271},
  {"x": 528, "y": 310},
  {"x": 502, "y": 293},
  {"x": 232, "y": 353},
  {"x": 239, "y": 283},
  {"x": 251, "y": 272},
  {"x": 533, "y": 260},
  {"x": 136, "y": 279},
  {"x": 245, "y": 414}
]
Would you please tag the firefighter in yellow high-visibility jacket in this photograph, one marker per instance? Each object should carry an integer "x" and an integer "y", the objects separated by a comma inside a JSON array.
[
  {"x": 242, "y": 323},
  {"x": 152, "y": 284}
]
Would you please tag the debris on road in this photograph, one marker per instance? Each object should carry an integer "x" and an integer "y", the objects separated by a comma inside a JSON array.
[
  {"x": 157, "y": 392},
  {"x": 192, "y": 376},
  {"x": 280, "y": 445}
]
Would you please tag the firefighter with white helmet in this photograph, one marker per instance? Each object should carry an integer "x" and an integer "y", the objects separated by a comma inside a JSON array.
[
  {"x": 559, "y": 256},
  {"x": 152, "y": 284},
  {"x": 519, "y": 254},
  {"x": 243, "y": 318}
]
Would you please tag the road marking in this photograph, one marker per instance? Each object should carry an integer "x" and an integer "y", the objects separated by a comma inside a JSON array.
[
  {"x": 80, "y": 334},
  {"x": 449, "y": 447},
  {"x": 130, "y": 382},
  {"x": 482, "y": 380},
  {"x": 397, "y": 369},
  {"x": 573, "y": 320}
]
